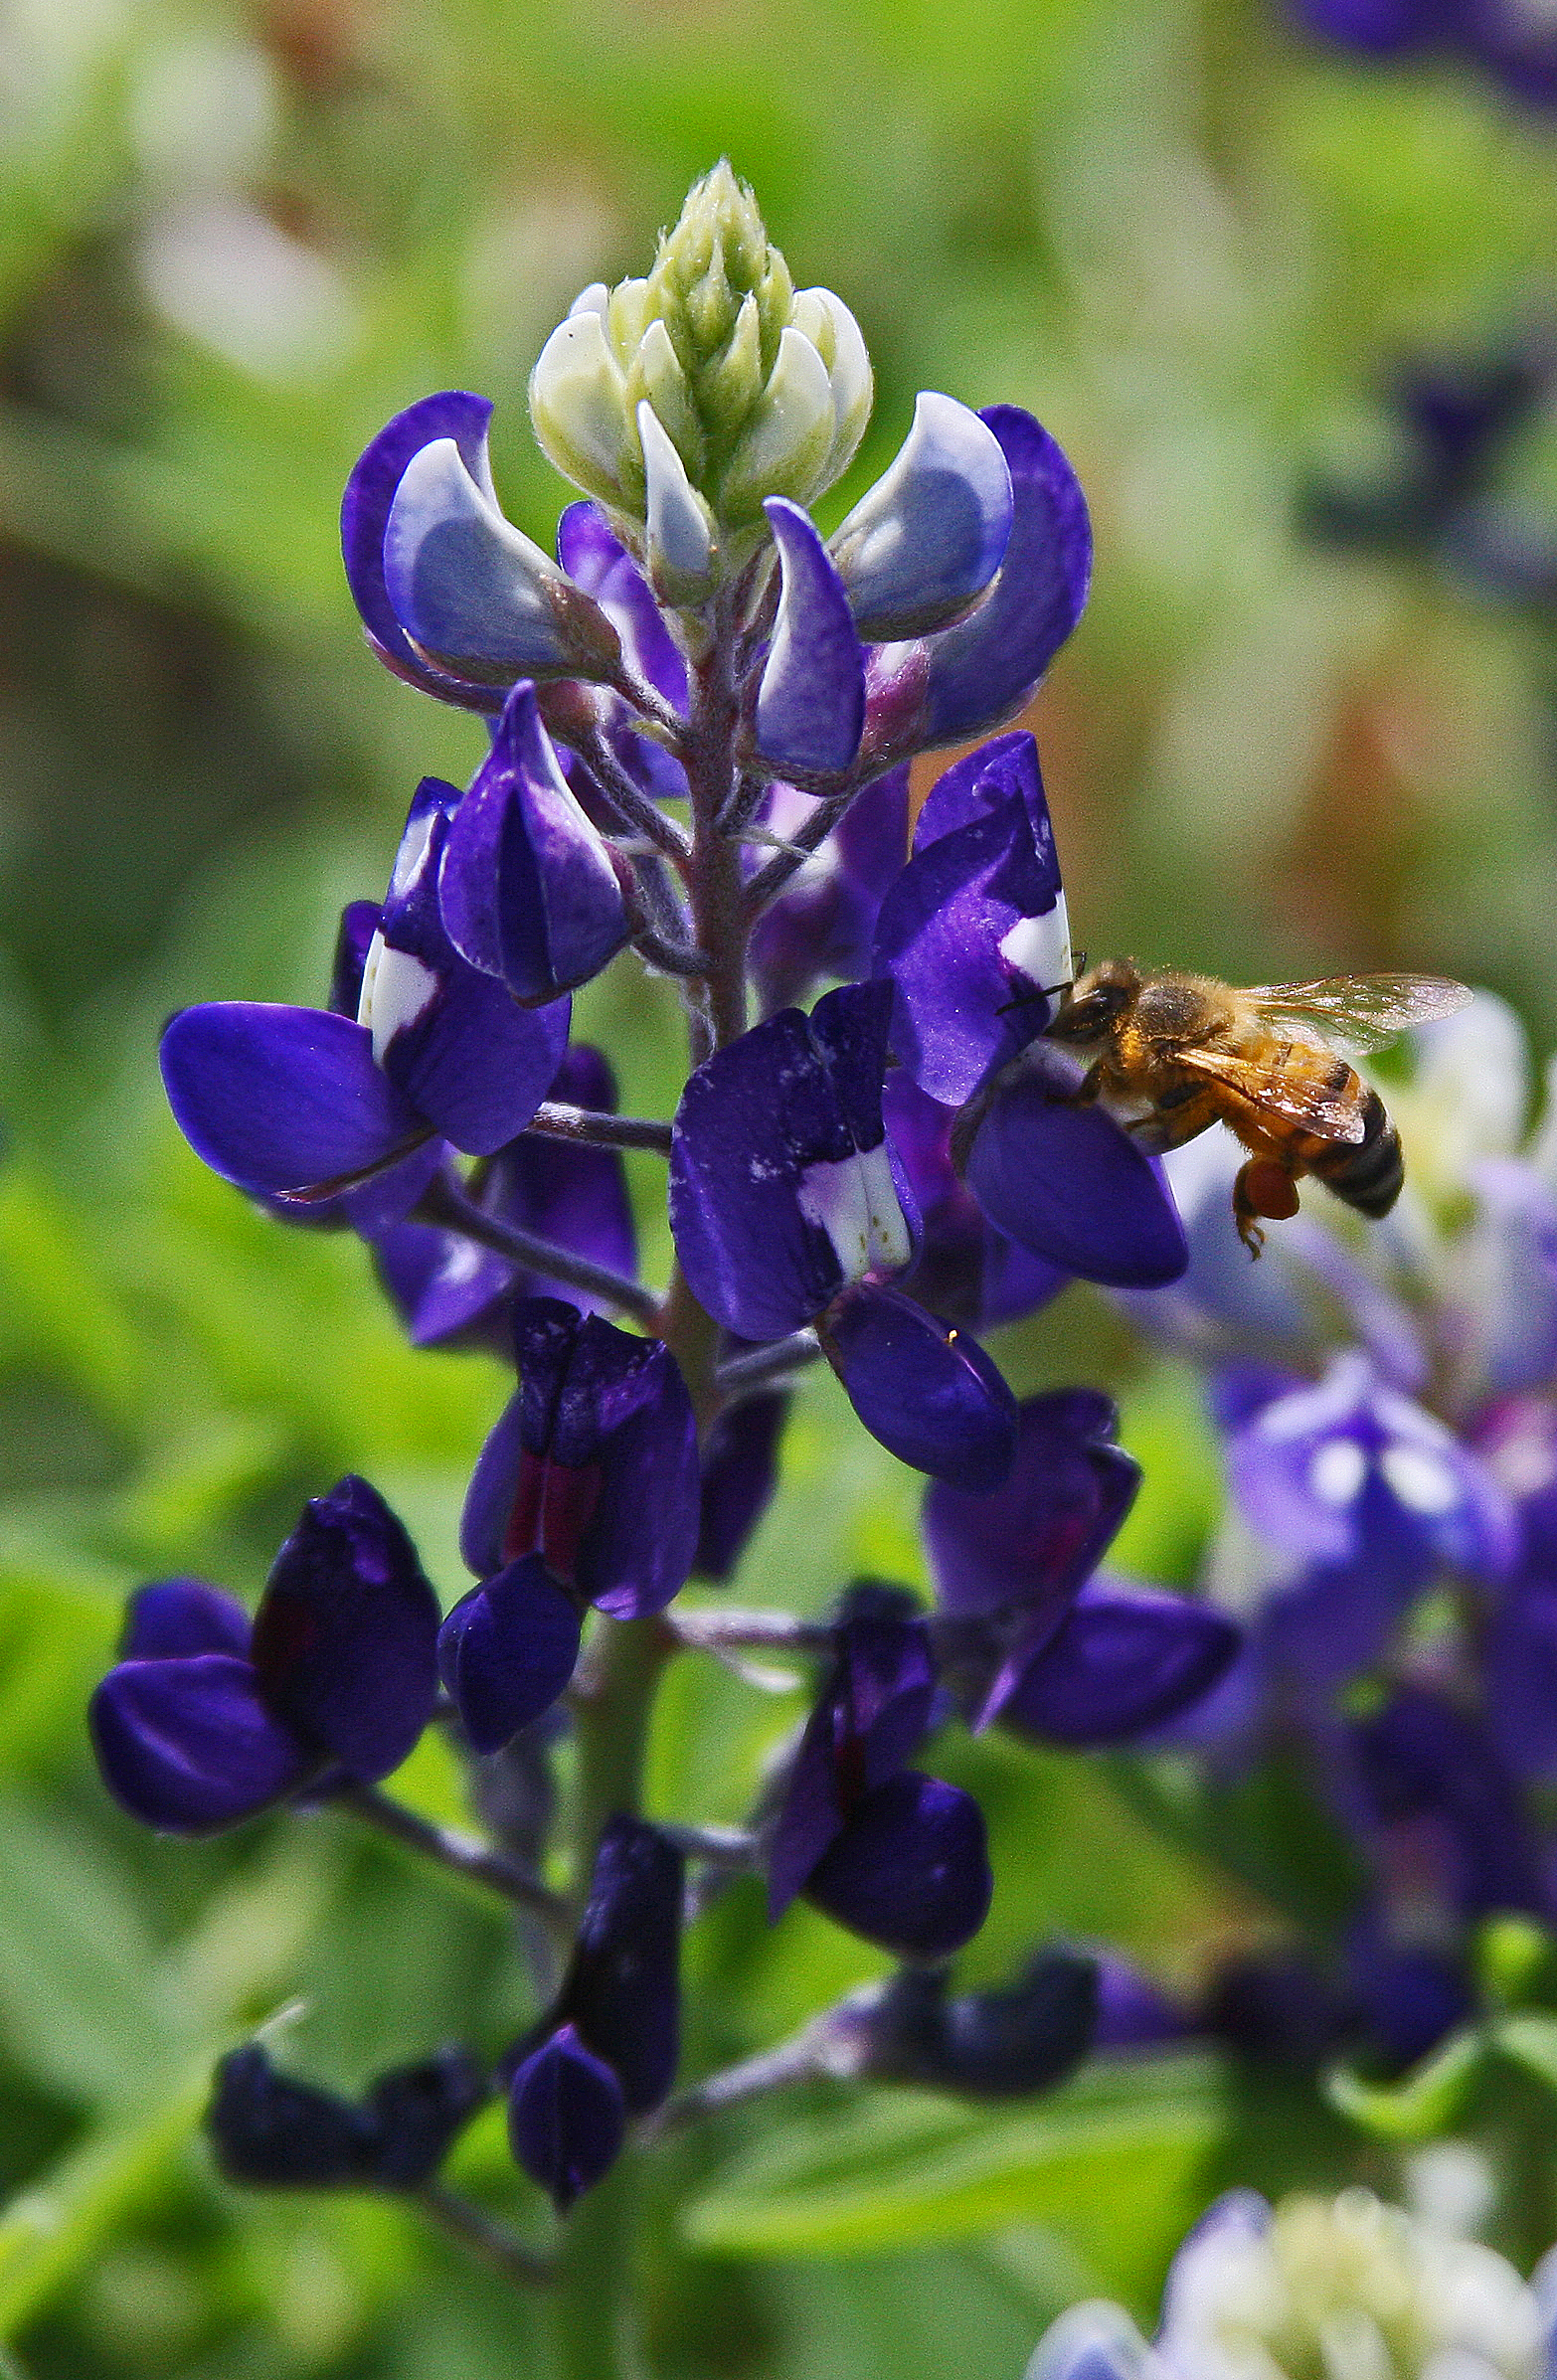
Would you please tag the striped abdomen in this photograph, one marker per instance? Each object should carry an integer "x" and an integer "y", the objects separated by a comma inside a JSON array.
[{"x": 1367, "y": 1173}]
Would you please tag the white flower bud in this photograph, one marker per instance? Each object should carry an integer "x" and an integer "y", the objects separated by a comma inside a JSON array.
[{"x": 579, "y": 405}]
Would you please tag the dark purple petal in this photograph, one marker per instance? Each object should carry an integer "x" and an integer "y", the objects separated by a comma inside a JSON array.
[
  {"x": 911, "y": 1869},
  {"x": 1121, "y": 1661},
  {"x": 417, "y": 2111},
  {"x": 507, "y": 1650},
  {"x": 596, "y": 559},
  {"x": 1381, "y": 26},
  {"x": 924, "y": 542},
  {"x": 450, "y": 1291},
  {"x": 594, "y": 1464},
  {"x": 781, "y": 1188},
  {"x": 972, "y": 676},
  {"x": 360, "y": 921},
  {"x": 280, "y": 1098},
  {"x": 1033, "y": 1543},
  {"x": 1067, "y": 1183},
  {"x": 1133, "y": 2012},
  {"x": 365, "y": 510},
  {"x": 966, "y": 1270},
  {"x": 925, "y": 1389},
  {"x": 1436, "y": 1802},
  {"x": 345, "y": 1638},
  {"x": 376, "y": 1203},
  {"x": 823, "y": 924},
  {"x": 739, "y": 1471},
  {"x": 450, "y": 1038},
  {"x": 622, "y": 1989},
  {"x": 526, "y": 886},
  {"x": 175, "y": 1618},
  {"x": 187, "y": 1746},
  {"x": 1521, "y": 1677},
  {"x": 1412, "y": 1993},
  {"x": 810, "y": 701},
  {"x": 973, "y": 934},
  {"x": 566, "y": 2118},
  {"x": 271, "y": 2132},
  {"x": 475, "y": 595},
  {"x": 988, "y": 2044}
]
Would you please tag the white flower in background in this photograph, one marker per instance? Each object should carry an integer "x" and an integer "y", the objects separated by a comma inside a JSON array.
[{"x": 1343, "y": 2289}]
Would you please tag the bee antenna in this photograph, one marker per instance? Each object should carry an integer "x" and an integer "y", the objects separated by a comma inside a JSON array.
[{"x": 1048, "y": 991}]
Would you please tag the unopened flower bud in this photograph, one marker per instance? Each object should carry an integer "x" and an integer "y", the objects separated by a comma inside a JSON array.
[{"x": 684, "y": 399}]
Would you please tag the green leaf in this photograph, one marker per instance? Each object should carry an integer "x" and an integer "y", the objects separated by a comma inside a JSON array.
[
  {"x": 1531, "y": 2042},
  {"x": 53, "y": 2228},
  {"x": 1110, "y": 2162},
  {"x": 1423, "y": 2103}
]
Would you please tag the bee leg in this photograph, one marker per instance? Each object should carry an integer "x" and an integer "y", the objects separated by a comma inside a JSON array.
[{"x": 1262, "y": 1187}]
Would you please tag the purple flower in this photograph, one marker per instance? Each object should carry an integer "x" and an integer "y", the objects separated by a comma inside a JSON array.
[
  {"x": 1064, "y": 1182},
  {"x": 781, "y": 1183},
  {"x": 607, "y": 2049},
  {"x": 528, "y": 890},
  {"x": 949, "y": 687},
  {"x": 1123, "y": 1660},
  {"x": 896, "y": 1856},
  {"x": 821, "y": 926},
  {"x": 451, "y": 1292},
  {"x": 622, "y": 1988},
  {"x": 592, "y": 1466},
  {"x": 986, "y": 2044},
  {"x": 299, "y": 1100},
  {"x": 973, "y": 932},
  {"x": 739, "y": 1465},
  {"x": 966, "y": 1270},
  {"x": 1351, "y": 1475},
  {"x": 566, "y": 2118},
  {"x": 270, "y": 2131},
  {"x": 205, "y": 1720},
  {"x": 507, "y": 1649},
  {"x": 1015, "y": 1561},
  {"x": 788, "y": 1206}
]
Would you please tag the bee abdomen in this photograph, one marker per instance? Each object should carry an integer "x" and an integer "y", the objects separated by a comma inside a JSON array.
[{"x": 1369, "y": 1173}]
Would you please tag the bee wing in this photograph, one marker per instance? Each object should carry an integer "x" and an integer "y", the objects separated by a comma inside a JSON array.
[
  {"x": 1271, "y": 1089},
  {"x": 1364, "y": 1011}
]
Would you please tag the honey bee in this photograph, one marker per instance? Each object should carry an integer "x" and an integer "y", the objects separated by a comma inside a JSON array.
[{"x": 1173, "y": 1052}]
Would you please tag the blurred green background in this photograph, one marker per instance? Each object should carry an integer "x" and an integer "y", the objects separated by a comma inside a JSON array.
[{"x": 231, "y": 242}]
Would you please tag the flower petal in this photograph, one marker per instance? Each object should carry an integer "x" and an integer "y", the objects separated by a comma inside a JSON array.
[
  {"x": 911, "y": 1870},
  {"x": 925, "y": 1389},
  {"x": 973, "y": 933},
  {"x": 507, "y": 1650},
  {"x": 172, "y": 1618},
  {"x": 526, "y": 886},
  {"x": 782, "y": 1185},
  {"x": 345, "y": 1638},
  {"x": 739, "y": 1471},
  {"x": 596, "y": 559},
  {"x": 1064, "y": 1182},
  {"x": 1031, "y": 1544},
  {"x": 622, "y": 1988},
  {"x": 474, "y": 593},
  {"x": 566, "y": 2118},
  {"x": 365, "y": 510},
  {"x": 450, "y": 1038},
  {"x": 187, "y": 1746},
  {"x": 1122, "y": 1661},
  {"x": 810, "y": 701},
  {"x": 929, "y": 537},
  {"x": 279, "y": 1098}
]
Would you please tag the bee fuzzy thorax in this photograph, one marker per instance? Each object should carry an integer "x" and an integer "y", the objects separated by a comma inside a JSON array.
[{"x": 1171, "y": 1053}]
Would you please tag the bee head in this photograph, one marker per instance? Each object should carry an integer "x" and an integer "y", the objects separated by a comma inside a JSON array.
[{"x": 1103, "y": 996}]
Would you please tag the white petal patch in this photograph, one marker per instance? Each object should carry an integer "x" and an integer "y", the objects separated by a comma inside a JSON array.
[
  {"x": 854, "y": 1201},
  {"x": 412, "y": 857},
  {"x": 1040, "y": 947},
  {"x": 1422, "y": 1481},
  {"x": 396, "y": 990},
  {"x": 1337, "y": 1471}
]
